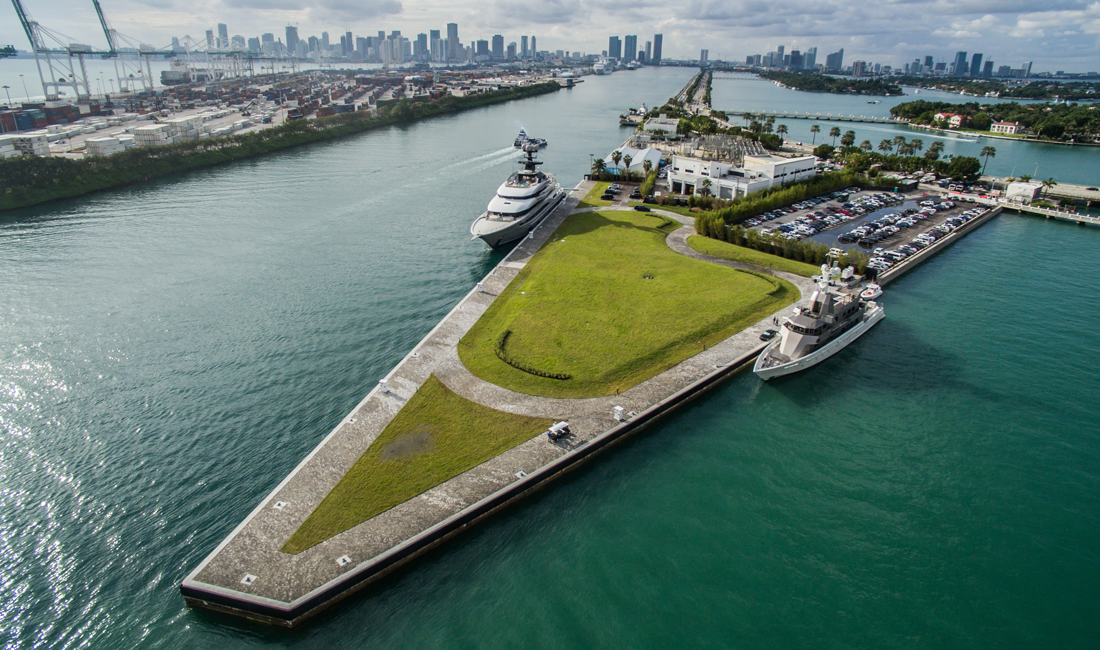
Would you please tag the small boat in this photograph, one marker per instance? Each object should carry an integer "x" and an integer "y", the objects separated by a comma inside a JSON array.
[
  {"x": 522, "y": 140},
  {"x": 871, "y": 292}
]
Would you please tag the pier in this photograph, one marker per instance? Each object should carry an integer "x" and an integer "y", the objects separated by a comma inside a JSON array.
[
  {"x": 826, "y": 117},
  {"x": 249, "y": 576}
]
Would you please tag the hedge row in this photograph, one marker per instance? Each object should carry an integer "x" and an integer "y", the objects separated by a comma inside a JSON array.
[{"x": 503, "y": 355}]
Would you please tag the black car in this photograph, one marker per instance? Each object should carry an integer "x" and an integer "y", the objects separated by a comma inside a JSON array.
[
  {"x": 769, "y": 335},
  {"x": 642, "y": 208}
]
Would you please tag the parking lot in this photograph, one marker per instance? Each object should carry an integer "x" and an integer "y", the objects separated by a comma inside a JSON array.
[{"x": 886, "y": 225}]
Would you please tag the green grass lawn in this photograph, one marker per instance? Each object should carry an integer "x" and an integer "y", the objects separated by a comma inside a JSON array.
[
  {"x": 609, "y": 304},
  {"x": 727, "y": 251},
  {"x": 436, "y": 436},
  {"x": 592, "y": 199}
]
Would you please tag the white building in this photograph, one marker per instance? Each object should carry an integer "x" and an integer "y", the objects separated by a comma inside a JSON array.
[
  {"x": 637, "y": 159},
  {"x": 1021, "y": 192},
  {"x": 662, "y": 125},
  {"x": 687, "y": 175},
  {"x": 1008, "y": 128}
]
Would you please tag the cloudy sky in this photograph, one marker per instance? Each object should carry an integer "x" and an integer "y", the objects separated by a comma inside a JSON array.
[{"x": 1055, "y": 34}]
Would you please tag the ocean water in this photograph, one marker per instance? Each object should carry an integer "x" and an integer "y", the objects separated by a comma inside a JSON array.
[{"x": 169, "y": 352}]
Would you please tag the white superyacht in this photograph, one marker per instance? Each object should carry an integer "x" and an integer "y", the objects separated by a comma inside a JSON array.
[
  {"x": 833, "y": 319},
  {"x": 520, "y": 204}
]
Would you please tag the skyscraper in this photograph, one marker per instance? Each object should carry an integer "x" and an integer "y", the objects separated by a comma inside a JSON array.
[
  {"x": 209, "y": 38},
  {"x": 523, "y": 47},
  {"x": 960, "y": 64},
  {"x": 835, "y": 61},
  {"x": 453, "y": 44},
  {"x": 614, "y": 47},
  {"x": 292, "y": 40},
  {"x": 928, "y": 63},
  {"x": 223, "y": 35},
  {"x": 631, "y": 47},
  {"x": 987, "y": 72},
  {"x": 704, "y": 55},
  {"x": 648, "y": 51},
  {"x": 809, "y": 59},
  {"x": 657, "y": 39},
  {"x": 420, "y": 48},
  {"x": 976, "y": 65},
  {"x": 498, "y": 47},
  {"x": 534, "y": 48},
  {"x": 325, "y": 45}
]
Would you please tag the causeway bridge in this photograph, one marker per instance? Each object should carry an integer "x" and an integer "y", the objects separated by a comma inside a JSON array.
[{"x": 825, "y": 117}]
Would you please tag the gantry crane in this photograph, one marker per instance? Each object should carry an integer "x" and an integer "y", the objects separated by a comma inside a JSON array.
[
  {"x": 133, "y": 73},
  {"x": 60, "y": 71}
]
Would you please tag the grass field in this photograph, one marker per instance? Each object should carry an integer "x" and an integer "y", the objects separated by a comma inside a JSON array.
[
  {"x": 726, "y": 251},
  {"x": 609, "y": 304},
  {"x": 436, "y": 436}
]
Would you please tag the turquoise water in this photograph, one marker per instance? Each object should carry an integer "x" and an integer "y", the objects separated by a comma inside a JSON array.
[
  {"x": 170, "y": 352},
  {"x": 744, "y": 92}
]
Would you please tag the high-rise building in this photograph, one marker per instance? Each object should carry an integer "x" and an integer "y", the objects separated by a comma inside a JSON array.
[
  {"x": 498, "y": 47},
  {"x": 534, "y": 48},
  {"x": 453, "y": 44},
  {"x": 929, "y": 63},
  {"x": 254, "y": 45},
  {"x": 210, "y": 38},
  {"x": 482, "y": 48},
  {"x": 657, "y": 40},
  {"x": 614, "y": 48},
  {"x": 809, "y": 59},
  {"x": 835, "y": 62},
  {"x": 795, "y": 60},
  {"x": 1027, "y": 69},
  {"x": 976, "y": 65},
  {"x": 325, "y": 45},
  {"x": 648, "y": 52},
  {"x": 223, "y": 35},
  {"x": 523, "y": 47},
  {"x": 176, "y": 44},
  {"x": 237, "y": 42},
  {"x": 859, "y": 68},
  {"x": 292, "y": 40},
  {"x": 779, "y": 51},
  {"x": 704, "y": 55},
  {"x": 960, "y": 64},
  {"x": 630, "y": 47},
  {"x": 987, "y": 72},
  {"x": 510, "y": 53}
]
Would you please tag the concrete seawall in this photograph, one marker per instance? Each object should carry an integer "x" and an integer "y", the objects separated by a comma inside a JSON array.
[{"x": 248, "y": 575}]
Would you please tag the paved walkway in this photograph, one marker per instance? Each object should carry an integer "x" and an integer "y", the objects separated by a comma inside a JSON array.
[{"x": 249, "y": 565}]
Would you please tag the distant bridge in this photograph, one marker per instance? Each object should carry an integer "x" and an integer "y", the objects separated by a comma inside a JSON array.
[{"x": 827, "y": 117}]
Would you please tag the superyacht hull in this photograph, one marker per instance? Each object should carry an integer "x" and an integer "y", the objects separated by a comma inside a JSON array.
[
  {"x": 499, "y": 233},
  {"x": 767, "y": 371}
]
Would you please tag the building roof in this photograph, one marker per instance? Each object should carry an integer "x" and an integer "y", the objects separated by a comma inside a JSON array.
[{"x": 637, "y": 157}]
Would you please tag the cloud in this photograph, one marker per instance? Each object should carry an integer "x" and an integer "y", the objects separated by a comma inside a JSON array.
[{"x": 546, "y": 12}]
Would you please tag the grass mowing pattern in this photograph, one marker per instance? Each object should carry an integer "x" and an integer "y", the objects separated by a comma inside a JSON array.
[
  {"x": 609, "y": 303},
  {"x": 436, "y": 436},
  {"x": 715, "y": 248}
]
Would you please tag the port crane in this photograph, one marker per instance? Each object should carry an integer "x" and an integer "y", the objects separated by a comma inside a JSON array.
[
  {"x": 60, "y": 65},
  {"x": 133, "y": 73}
]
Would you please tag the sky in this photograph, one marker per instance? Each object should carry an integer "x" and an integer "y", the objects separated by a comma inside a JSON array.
[{"x": 1055, "y": 34}]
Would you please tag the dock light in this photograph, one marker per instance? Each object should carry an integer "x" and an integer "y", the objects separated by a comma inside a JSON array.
[
  {"x": 382, "y": 385},
  {"x": 618, "y": 414},
  {"x": 480, "y": 288}
]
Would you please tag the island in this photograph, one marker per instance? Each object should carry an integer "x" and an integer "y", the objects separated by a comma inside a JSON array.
[
  {"x": 1050, "y": 122},
  {"x": 819, "y": 83}
]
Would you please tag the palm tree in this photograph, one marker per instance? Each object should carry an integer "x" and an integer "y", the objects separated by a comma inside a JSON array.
[
  {"x": 598, "y": 166},
  {"x": 917, "y": 144},
  {"x": 1047, "y": 184},
  {"x": 781, "y": 130},
  {"x": 899, "y": 140},
  {"x": 815, "y": 129},
  {"x": 987, "y": 153},
  {"x": 849, "y": 138},
  {"x": 627, "y": 159},
  {"x": 616, "y": 156},
  {"x": 834, "y": 133},
  {"x": 866, "y": 145},
  {"x": 768, "y": 128},
  {"x": 706, "y": 186},
  {"x": 647, "y": 166},
  {"x": 886, "y": 146},
  {"x": 934, "y": 151}
]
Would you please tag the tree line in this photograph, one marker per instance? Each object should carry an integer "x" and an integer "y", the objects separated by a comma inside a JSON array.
[
  {"x": 819, "y": 83},
  {"x": 1049, "y": 121}
]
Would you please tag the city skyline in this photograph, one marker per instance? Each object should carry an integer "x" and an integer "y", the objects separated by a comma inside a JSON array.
[{"x": 1059, "y": 36}]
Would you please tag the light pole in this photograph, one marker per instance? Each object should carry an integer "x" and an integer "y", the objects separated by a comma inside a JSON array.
[
  {"x": 9, "y": 105},
  {"x": 26, "y": 93}
]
